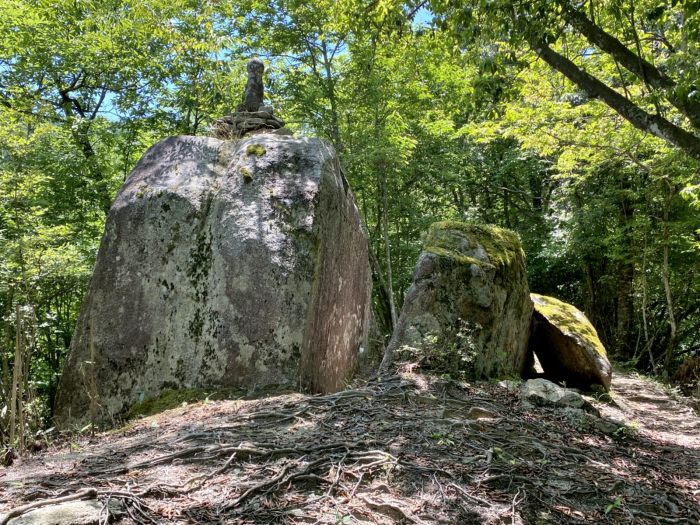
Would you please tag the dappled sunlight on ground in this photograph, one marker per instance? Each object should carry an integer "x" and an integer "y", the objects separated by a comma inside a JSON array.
[{"x": 398, "y": 450}]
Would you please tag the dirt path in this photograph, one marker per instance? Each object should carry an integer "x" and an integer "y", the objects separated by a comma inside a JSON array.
[
  {"x": 409, "y": 449},
  {"x": 650, "y": 409}
]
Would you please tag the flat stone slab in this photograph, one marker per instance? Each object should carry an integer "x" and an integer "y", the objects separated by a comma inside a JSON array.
[{"x": 81, "y": 512}]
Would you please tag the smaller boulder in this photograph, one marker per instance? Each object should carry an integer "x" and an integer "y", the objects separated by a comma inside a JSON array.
[
  {"x": 81, "y": 512},
  {"x": 567, "y": 345},
  {"x": 468, "y": 309},
  {"x": 541, "y": 392}
]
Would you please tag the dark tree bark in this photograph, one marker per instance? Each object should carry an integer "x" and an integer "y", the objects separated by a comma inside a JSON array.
[{"x": 640, "y": 119}]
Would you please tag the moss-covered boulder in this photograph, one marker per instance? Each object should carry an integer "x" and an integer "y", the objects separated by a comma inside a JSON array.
[
  {"x": 468, "y": 309},
  {"x": 567, "y": 345},
  {"x": 223, "y": 265}
]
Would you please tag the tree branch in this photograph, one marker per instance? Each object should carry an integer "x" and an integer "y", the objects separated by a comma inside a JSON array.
[
  {"x": 634, "y": 63},
  {"x": 640, "y": 119}
]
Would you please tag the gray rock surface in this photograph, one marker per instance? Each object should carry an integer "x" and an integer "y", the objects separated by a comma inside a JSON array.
[
  {"x": 541, "y": 392},
  {"x": 567, "y": 345},
  {"x": 222, "y": 265},
  {"x": 469, "y": 302},
  {"x": 82, "y": 512}
]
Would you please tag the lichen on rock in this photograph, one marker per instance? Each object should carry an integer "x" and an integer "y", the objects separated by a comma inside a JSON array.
[
  {"x": 203, "y": 281},
  {"x": 468, "y": 306},
  {"x": 567, "y": 344}
]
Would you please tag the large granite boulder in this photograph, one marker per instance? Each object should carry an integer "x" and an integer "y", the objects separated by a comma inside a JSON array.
[
  {"x": 223, "y": 264},
  {"x": 469, "y": 302},
  {"x": 567, "y": 345}
]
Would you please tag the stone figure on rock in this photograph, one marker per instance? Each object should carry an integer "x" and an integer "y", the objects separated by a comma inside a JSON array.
[
  {"x": 224, "y": 264},
  {"x": 252, "y": 115},
  {"x": 254, "y": 89}
]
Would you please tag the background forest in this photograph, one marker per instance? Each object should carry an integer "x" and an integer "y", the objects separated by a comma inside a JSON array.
[{"x": 576, "y": 124}]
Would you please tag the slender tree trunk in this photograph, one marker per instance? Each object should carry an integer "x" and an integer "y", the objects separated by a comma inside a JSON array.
[
  {"x": 624, "y": 308},
  {"x": 384, "y": 295},
  {"x": 665, "y": 275},
  {"x": 387, "y": 244},
  {"x": 644, "y": 292},
  {"x": 16, "y": 393},
  {"x": 330, "y": 89}
]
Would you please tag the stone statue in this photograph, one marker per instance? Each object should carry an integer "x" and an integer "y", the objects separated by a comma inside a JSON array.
[
  {"x": 252, "y": 115},
  {"x": 254, "y": 88}
]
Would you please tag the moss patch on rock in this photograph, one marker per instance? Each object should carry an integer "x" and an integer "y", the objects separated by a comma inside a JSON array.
[
  {"x": 569, "y": 319},
  {"x": 464, "y": 241},
  {"x": 256, "y": 149},
  {"x": 247, "y": 175},
  {"x": 169, "y": 399},
  {"x": 174, "y": 398}
]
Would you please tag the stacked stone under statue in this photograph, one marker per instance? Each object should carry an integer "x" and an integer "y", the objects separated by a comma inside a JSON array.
[
  {"x": 252, "y": 115},
  {"x": 224, "y": 264}
]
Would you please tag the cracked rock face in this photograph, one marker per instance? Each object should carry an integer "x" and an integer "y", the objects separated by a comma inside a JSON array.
[{"x": 222, "y": 265}]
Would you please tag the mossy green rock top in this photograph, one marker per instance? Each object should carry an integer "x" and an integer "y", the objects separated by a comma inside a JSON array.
[
  {"x": 567, "y": 345},
  {"x": 470, "y": 299},
  {"x": 474, "y": 243},
  {"x": 223, "y": 265}
]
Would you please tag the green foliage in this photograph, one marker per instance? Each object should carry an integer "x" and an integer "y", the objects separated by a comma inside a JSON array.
[
  {"x": 451, "y": 119},
  {"x": 614, "y": 505},
  {"x": 451, "y": 355}
]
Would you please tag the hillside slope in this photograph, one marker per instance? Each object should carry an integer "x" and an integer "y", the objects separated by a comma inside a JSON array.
[{"x": 408, "y": 449}]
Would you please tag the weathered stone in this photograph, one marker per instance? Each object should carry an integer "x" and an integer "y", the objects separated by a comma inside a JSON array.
[
  {"x": 222, "y": 265},
  {"x": 252, "y": 115},
  {"x": 567, "y": 345},
  {"x": 82, "y": 512},
  {"x": 250, "y": 121},
  {"x": 469, "y": 299},
  {"x": 254, "y": 89},
  {"x": 542, "y": 392}
]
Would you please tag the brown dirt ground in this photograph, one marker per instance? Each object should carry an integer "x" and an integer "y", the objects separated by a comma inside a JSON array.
[{"x": 401, "y": 450}]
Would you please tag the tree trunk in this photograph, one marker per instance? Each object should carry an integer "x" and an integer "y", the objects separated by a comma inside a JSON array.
[
  {"x": 16, "y": 393},
  {"x": 665, "y": 275},
  {"x": 330, "y": 88},
  {"x": 624, "y": 309},
  {"x": 387, "y": 244},
  {"x": 384, "y": 301}
]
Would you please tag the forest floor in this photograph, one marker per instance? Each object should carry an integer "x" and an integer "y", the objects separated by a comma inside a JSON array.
[{"x": 407, "y": 449}]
